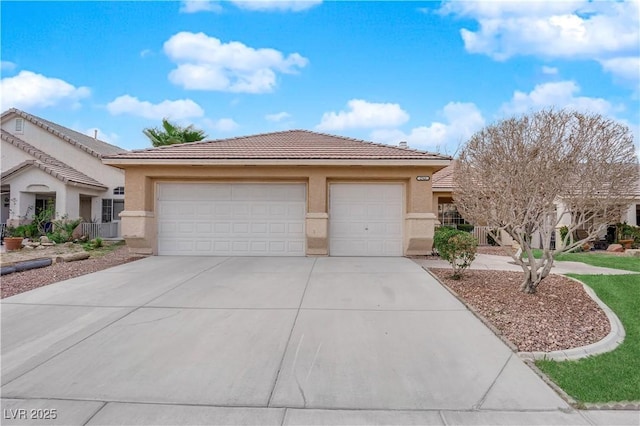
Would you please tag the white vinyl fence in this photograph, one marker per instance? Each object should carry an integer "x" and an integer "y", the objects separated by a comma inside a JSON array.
[
  {"x": 101, "y": 230},
  {"x": 480, "y": 233}
]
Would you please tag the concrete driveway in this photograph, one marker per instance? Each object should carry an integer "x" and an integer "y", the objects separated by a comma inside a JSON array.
[{"x": 170, "y": 340}]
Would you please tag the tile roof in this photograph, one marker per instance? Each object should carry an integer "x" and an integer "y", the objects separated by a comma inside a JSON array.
[
  {"x": 95, "y": 147},
  {"x": 286, "y": 145},
  {"x": 47, "y": 163},
  {"x": 443, "y": 179}
]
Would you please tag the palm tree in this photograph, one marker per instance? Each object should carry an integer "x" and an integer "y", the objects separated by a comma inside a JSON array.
[{"x": 171, "y": 134}]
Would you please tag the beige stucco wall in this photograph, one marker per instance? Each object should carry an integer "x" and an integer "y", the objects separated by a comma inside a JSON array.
[{"x": 139, "y": 226}]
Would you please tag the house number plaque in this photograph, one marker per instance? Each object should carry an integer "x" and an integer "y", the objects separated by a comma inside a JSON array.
[{"x": 423, "y": 178}]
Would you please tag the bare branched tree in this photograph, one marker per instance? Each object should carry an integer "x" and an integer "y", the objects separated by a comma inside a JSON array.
[{"x": 527, "y": 175}]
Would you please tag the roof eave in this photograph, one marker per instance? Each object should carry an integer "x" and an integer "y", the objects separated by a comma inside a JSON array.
[
  {"x": 34, "y": 120},
  {"x": 124, "y": 162}
]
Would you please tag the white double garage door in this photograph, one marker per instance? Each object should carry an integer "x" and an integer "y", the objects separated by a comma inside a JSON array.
[{"x": 242, "y": 219}]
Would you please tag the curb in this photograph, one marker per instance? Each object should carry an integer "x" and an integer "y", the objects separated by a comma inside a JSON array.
[{"x": 610, "y": 342}]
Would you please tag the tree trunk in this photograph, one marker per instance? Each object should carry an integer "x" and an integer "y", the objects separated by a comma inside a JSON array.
[{"x": 529, "y": 285}]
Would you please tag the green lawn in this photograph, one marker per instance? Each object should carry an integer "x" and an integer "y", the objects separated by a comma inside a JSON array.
[
  {"x": 613, "y": 376},
  {"x": 627, "y": 263}
]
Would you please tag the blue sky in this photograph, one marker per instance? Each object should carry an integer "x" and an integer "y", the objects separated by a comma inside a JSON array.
[{"x": 429, "y": 73}]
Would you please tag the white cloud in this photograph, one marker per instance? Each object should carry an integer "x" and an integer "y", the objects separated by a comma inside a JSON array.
[
  {"x": 363, "y": 114},
  {"x": 195, "y": 6},
  {"x": 561, "y": 94},
  {"x": 549, "y": 70},
  {"x": 277, "y": 117},
  {"x": 176, "y": 110},
  {"x": 627, "y": 68},
  {"x": 221, "y": 125},
  {"x": 601, "y": 31},
  {"x": 276, "y": 5},
  {"x": 145, "y": 53},
  {"x": 30, "y": 90},
  {"x": 7, "y": 66},
  {"x": 205, "y": 63},
  {"x": 461, "y": 121}
]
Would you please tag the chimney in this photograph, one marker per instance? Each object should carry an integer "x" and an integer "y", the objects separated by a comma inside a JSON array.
[
  {"x": 403, "y": 144},
  {"x": 95, "y": 134}
]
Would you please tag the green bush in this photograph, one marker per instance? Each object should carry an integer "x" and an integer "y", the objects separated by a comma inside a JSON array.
[
  {"x": 456, "y": 247},
  {"x": 465, "y": 227},
  {"x": 29, "y": 230},
  {"x": 63, "y": 230},
  {"x": 626, "y": 231},
  {"x": 563, "y": 232},
  {"x": 93, "y": 244},
  {"x": 442, "y": 235}
]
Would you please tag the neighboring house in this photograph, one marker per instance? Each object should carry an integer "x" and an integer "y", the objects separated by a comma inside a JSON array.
[
  {"x": 448, "y": 214},
  {"x": 43, "y": 162},
  {"x": 444, "y": 207},
  {"x": 290, "y": 193}
]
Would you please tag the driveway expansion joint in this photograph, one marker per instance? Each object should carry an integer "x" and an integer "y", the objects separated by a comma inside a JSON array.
[{"x": 293, "y": 326}]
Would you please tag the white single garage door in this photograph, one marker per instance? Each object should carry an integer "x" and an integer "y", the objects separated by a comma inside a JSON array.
[
  {"x": 229, "y": 219},
  {"x": 365, "y": 219}
]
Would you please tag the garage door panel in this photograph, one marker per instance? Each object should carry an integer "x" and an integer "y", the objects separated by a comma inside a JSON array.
[
  {"x": 296, "y": 229},
  {"x": 366, "y": 219},
  {"x": 245, "y": 219},
  {"x": 176, "y": 192}
]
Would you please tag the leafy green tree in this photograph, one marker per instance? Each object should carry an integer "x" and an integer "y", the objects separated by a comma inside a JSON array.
[{"x": 171, "y": 134}]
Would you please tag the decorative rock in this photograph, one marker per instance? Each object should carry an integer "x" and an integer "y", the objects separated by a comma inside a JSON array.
[
  {"x": 616, "y": 248},
  {"x": 48, "y": 244},
  {"x": 69, "y": 244},
  {"x": 45, "y": 239},
  {"x": 29, "y": 247},
  {"x": 72, "y": 257},
  {"x": 632, "y": 252},
  {"x": 40, "y": 248}
]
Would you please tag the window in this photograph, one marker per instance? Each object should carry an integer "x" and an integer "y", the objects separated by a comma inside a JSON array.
[
  {"x": 19, "y": 125},
  {"x": 111, "y": 209},
  {"x": 448, "y": 214},
  {"x": 119, "y": 190}
]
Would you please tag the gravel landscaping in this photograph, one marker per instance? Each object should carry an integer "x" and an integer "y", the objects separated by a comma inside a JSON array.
[
  {"x": 20, "y": 282},
  {"x": 560, "y": 315}
]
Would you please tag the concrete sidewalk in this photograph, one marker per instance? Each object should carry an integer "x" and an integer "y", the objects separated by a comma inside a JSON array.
[
  {"x": 205, "y": 340},
  {"x": 506, "y": 263}
]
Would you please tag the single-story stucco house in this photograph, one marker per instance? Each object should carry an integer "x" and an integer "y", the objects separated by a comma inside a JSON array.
[
  {"x": 44, "y": 162},
  {"x": 448, "y": 214},
  {"x": 290, "y": 193}
]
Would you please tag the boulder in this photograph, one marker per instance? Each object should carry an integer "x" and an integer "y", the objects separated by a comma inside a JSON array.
[
  {"x": 72, "y": 257},
  {"x": 45, "y": 239},
  {"x": 632, "y": 252},
  {"x": 616, "y": 248}
]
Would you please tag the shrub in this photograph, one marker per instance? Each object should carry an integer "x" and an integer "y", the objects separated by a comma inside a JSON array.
[
  {"x": 93, "y": 244},
  {"x": 441, "y": 236},
  {"x": 563, "y": 232},
  {"x": 465, "y": 227},
  {"x": 626, "y": 231},
  {"x": 458, "y": 248}
]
